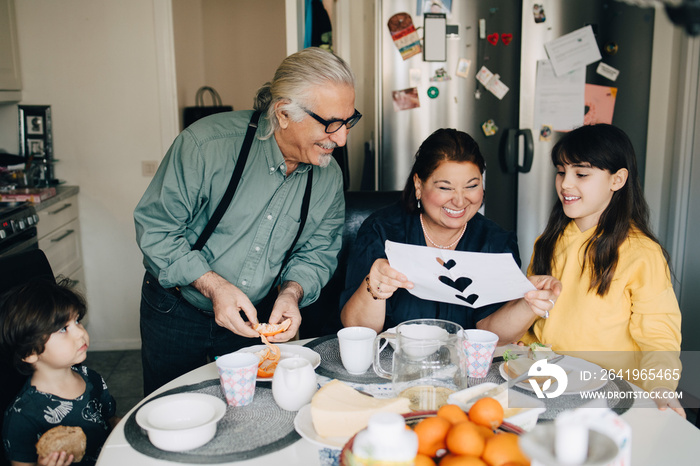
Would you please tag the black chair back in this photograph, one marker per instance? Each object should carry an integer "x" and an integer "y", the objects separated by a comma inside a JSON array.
[
  {"x": 323, "y": 316},
  {"x": 15, "y": 270}
]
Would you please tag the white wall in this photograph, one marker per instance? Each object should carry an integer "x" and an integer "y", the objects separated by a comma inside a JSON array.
[{"x": 96, "y": 63}]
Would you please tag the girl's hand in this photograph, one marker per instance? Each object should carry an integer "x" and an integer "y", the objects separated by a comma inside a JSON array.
[
  {"x": 57, "y": 458},
  {"x": 542, "y": 300},
  {"x": 384, "y": 281},
  {"x": 671, "y": 402}
]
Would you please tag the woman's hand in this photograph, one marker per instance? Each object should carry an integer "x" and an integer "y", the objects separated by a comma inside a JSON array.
[
  {"x": 542, "y": 300},
  {"x": 384, "y": 281}
]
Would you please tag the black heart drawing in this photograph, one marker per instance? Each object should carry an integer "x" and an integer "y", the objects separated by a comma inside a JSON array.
[
  {"x": 460, "y": 284},
  {"x": 471, "y": 299},
  {"x": 448, "y": 265}
]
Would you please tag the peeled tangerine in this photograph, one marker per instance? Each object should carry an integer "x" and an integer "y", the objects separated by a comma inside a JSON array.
[{"x": 273, "y": 329}]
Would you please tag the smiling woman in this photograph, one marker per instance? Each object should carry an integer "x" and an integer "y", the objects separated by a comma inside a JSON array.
[{"x": 439, "y": 209}]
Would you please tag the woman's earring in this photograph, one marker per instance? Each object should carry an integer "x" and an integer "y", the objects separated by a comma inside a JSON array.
[{"x": 418, "y": 200}]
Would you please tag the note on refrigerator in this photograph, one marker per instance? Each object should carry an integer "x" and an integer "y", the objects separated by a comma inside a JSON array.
[
  {"x": 559, "y": 101},
  {"x": 573, "y": 51},
  {"x": 472, "y": 279}
]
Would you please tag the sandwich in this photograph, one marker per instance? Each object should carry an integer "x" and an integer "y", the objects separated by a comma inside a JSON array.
[{"x": 70, "y": 439}]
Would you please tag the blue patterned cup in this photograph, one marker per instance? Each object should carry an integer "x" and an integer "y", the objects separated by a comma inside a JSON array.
[
  {"x": 237, "y": 372},
  {"x": 479, "y": 346}
]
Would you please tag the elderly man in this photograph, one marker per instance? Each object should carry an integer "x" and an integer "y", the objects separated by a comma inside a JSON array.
[{"x": 276, "y": 241}]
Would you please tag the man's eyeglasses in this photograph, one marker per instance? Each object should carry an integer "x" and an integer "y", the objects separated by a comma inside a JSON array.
[{"x": 334, "y": 125}]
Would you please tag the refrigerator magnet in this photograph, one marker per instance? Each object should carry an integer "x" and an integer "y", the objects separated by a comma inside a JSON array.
[
  {"x": 404, "y": 35},
  {"x": 538, "y": 13},
  {"x": 545, "y": 133},
  {"x": 607, "y": 71},
  {"x": 492, "y": 38},
  {"x": 507, "y": 38},
  {"x": 434, "y": 37},
  {"x": 463, "y": 68},
  {"x": 440, "y": 75},
  {"x": 433, "y": 92},
  {"x": 405, "y": 99},
  {"x": 489, "y": 127}
]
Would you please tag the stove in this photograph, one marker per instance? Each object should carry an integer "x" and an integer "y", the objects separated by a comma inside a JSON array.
[{"x": 17, "y": 227}]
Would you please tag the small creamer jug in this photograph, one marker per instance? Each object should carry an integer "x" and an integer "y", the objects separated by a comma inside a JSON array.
[{"x": 294, "y": 383}]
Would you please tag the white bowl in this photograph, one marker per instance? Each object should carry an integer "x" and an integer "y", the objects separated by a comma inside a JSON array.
[
  {"x": 181, "y": 422},
  {"x": 526, "y": 409}
]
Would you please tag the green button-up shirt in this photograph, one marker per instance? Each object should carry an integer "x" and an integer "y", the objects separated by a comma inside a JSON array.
[{"x": 249, "y": 244}]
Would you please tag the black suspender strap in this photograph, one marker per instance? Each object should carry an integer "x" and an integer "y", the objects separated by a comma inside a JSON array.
[
  {"x": 231, "y": 189},
  {"x": 232, "y": 185},
  {"x": 302, "y": 220}
]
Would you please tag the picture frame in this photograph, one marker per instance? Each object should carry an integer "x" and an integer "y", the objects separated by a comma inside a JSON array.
[{"x": 35, "y": 137}]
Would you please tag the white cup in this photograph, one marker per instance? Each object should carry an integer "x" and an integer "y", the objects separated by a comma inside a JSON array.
[{"x": 356, "y": 348}]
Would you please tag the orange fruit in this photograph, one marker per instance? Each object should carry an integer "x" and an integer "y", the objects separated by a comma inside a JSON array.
[
  {"x": 487, "y": 412},
  {"x": 465, "y": 438},
  {"x": 452, "y": 413},
  {"x": 423, "y": 460},
  {"x": 461, "y": 460},
  {"x": 431, "y": 433},
  {"x": 502, "y": 449},
  {"x": 273, "y": 329},
  {"x": 485, "y": 431}
]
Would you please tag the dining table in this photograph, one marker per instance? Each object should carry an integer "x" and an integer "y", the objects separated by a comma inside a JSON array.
[{"x": 657, "y": 437}]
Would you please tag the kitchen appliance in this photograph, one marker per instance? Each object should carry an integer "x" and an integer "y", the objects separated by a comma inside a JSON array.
[
  {"x": 17, "y": 228},
  {"x": 506, "y": 37}
]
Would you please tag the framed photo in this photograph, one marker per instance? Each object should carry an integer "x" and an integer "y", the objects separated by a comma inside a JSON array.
[{"x": 35, "y": 131}]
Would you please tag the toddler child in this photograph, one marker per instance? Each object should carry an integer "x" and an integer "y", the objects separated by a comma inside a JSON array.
[{"x": 40, "y": 331}]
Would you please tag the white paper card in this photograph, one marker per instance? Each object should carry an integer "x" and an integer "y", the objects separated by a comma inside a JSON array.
[
  {"x": 492, "y": 82},
  {"x": 607, "y": 71},
  {"x": 559, "y": 101},
  {"x": 573, "y": 51},
  {"x": 472, "y": 279}
]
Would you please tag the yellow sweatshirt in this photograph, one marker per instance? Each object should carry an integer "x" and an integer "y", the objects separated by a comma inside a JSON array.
[{"x": 636, "y": 325}]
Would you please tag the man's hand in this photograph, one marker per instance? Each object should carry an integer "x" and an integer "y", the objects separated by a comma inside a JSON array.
[
  {"x": 287, "y": 307},
  {"x": 228, "y": 301}
]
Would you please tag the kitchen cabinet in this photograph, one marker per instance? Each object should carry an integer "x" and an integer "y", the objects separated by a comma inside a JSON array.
[
  {"x": 58, "y": 230},
  {"x": 10, "y": 77}
]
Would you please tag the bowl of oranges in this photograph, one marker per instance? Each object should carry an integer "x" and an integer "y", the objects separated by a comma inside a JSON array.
[{"x": 452, "y": 437}]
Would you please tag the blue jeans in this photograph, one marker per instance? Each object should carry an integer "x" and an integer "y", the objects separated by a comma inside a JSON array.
[{"x": 176, "y": 337}]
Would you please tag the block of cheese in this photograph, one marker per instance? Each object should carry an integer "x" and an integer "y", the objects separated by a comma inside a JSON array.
[{"x": 338, "y": 410}]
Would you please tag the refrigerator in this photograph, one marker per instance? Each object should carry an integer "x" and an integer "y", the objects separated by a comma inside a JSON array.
[{"x": 427, "y": 79}]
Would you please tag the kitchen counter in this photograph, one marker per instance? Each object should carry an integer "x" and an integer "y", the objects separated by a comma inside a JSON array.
[{"x": 63, "y": 192}]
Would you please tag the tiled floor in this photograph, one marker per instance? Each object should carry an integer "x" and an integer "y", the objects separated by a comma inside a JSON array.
[{"x": 122, "y": 372}]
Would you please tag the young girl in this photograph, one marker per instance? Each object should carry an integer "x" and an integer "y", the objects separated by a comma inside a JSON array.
[
  {"x": 40, "y": 331},
  {"x": 617, "y": 303}
]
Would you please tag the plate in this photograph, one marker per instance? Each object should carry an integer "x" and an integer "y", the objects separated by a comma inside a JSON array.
[
  {"x": 305, "y": 427},
  {"x": 574, "y": 368},
  {"x": 287, "y": 351}
]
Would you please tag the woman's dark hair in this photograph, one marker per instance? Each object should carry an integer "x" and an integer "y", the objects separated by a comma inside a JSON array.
[
  {"x": 608, "y": 148},
  {"x": 444, "y": 145},
  {"x": 30, "y": 313}
]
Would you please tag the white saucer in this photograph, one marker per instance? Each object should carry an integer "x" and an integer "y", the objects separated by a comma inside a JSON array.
[
  {"x": 288, "y": 351},
  {"x": 574, "y": 368},
  {"x": 305, "y": 427}
]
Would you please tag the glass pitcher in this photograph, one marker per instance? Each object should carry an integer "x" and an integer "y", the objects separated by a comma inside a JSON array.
[{"x": 428, "y": 363}]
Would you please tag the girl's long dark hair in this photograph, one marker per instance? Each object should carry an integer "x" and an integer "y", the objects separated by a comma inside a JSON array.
[
  {"x": 608, "y": 148},
  {"x": 446, "y": 144}
]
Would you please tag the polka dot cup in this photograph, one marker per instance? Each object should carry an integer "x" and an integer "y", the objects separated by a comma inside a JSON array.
[{"x": 237, "y": 372}]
